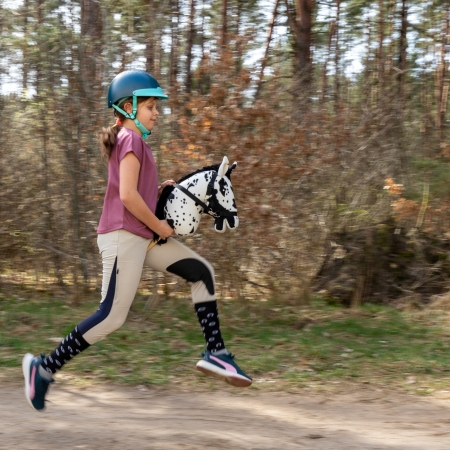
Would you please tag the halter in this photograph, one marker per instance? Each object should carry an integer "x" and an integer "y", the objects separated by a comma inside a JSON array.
[{"x": 213, "y": 208}]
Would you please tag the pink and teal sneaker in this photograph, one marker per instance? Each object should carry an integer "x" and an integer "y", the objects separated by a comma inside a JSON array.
[
  {"x": 223, "y": 367},
  {"x": 35, "y": 386}
]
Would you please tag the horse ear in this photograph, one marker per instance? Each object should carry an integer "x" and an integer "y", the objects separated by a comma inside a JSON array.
[
  {"x": 223, "y": 167},
  {"x": 232, "y": 167}
]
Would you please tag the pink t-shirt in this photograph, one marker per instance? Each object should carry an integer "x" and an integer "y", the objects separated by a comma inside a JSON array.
[{"x": 115, "y": 216}]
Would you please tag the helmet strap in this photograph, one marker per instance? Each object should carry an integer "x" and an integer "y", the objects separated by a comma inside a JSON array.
[
  {"x": 132, "y": 116},
  {"x": 142, "y": 129}
]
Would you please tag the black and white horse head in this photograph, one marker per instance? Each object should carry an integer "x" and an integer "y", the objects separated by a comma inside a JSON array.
[{"x": 207, "y": 190}]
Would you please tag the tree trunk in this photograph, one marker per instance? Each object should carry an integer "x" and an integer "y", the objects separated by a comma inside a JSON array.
[
  {"x": 174, "y": 101},
  {"x": 442, "y": 83},
  {"x": 91, "y": 48},
  {"x": 367, "y": 63},
  {"x": 43, "y": 86},
  {"x": 402, "y": 58},
  {"x": 239, "y": 41},
  {"x": 266, "y": 53},
  {"x": 26, "y": 11},
  {"x": 158, "y": 53},
  {"x": 149, "y": 46},
  {"x": 173, "y": 71},
  {"x": 123, "y": 55},
  {"x": 39, "y": 63},
  {"x": 224, "y": 29},
  {"x": 300, "y": 24},
  {"x": 380, "y": 52},
  {"x": 337, "y": 55},
  {"x": 190, "y": 44},
  {"x": 389, "y": 60},
  {"x": 324, "y": 88},
  {"x": 378, "y": 72}
]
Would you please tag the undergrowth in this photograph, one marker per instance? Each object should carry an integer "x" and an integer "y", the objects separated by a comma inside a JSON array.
[{"x": 281, "y": 347}]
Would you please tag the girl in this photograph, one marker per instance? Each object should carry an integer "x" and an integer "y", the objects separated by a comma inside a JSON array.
[{"x": 126, "y": 228}]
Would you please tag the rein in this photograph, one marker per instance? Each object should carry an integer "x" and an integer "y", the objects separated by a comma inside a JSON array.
[{"x": 216, "y": 210}]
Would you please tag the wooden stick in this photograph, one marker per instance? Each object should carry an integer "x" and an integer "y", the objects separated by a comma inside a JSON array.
[{"x": 152, "y": 243}]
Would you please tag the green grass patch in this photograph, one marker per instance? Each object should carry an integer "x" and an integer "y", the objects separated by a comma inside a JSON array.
[{"x": 282, "y": 347}]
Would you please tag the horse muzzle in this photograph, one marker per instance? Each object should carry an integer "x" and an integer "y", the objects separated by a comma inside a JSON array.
[{"x": 222, "y": 223}]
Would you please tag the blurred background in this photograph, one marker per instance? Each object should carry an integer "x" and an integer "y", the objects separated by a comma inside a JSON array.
[{"x": 336, "y": 112}]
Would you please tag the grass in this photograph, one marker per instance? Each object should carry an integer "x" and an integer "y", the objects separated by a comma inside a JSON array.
[{"x": 282, "y": 347}]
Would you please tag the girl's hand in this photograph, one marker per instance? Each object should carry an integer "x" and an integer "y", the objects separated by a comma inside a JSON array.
[
  {"x": 164, "y": 229},
  {"x": 163, "y": 185}
]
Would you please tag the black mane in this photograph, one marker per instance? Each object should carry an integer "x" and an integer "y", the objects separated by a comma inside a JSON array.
[
  {"x": 162, "y": 200},
  {"x": 214, "y": 167}
]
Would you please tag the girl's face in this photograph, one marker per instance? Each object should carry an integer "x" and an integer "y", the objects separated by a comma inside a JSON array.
[{"x": 147, "y": 113}]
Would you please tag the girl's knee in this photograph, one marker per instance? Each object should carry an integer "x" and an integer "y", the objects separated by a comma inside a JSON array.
[
  {"x": 194, "y": 270},
  {"x": 114, "y": 323}
]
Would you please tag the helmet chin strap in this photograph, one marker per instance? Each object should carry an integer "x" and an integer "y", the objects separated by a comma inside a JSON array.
[
  {"x": 132, "y": 116},
  {"x": 142, "y": 129}
]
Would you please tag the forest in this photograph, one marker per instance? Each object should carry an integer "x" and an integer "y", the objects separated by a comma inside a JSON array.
[{"x": 335, "y": 111}]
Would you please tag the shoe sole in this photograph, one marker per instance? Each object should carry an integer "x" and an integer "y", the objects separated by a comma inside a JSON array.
[
  {"x": 230, "y": 378},
  {"x": 26, "y": 362}
]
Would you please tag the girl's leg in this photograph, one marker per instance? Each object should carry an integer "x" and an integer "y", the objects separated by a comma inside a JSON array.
[
  {"x": 176, "y": 258},
  {"x": 123, "y": 256}
]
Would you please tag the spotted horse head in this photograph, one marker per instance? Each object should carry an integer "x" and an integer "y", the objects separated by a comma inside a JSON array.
[{"x": 207, "y": 190}]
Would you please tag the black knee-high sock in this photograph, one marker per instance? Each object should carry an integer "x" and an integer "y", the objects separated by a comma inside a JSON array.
[
  {"x": 208, "y": 317},
  {"x": 70, "y": 346}
]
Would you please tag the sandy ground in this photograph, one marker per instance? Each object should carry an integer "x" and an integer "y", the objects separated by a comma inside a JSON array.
[{"x": 135, "y": 418}]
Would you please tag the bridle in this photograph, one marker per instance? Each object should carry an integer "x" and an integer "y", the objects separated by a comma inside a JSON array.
[{"x": 213, "y": 208}]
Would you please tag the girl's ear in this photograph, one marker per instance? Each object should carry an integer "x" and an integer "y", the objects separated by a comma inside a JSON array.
[
  {"x": 127, "y": 107},
  {"x": 223, "y": 167}
]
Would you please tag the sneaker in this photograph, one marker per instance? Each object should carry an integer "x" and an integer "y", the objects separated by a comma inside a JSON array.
[
  {"x": 35, "y": 386},
  {"x": 224, "y": 367}
]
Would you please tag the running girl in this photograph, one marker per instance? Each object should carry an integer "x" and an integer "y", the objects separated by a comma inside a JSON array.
[{"x": 126, "y": 228}]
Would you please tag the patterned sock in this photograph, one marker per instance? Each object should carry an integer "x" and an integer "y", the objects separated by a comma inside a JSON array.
[
  {"x": 208, "y": 317},
  {"x": 70, "y": 346}
]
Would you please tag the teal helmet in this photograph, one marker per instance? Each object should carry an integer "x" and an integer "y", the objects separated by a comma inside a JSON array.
[{"x": 133, "y": 83}]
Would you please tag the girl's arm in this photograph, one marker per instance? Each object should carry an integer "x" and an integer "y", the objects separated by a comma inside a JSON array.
[{"x": 130, "y": 197}]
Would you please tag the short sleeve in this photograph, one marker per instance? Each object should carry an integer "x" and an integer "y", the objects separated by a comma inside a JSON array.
[{"x": 129, "y": 142}]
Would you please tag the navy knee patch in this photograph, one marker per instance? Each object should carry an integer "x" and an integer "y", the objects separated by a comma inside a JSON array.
[{"x": 193, "y": 270}]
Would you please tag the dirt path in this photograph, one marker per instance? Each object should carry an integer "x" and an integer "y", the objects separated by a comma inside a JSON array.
[{"x": 117, "y": 418}]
